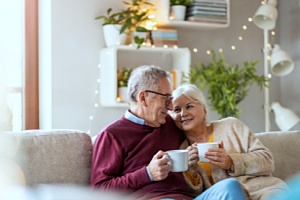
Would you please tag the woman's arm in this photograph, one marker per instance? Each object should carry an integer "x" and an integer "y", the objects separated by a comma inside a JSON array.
[{"x": 248, "y": 154}]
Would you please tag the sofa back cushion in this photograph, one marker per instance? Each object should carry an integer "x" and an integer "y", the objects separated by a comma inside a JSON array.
[
  {"x": 54, "y": 156},
  {"x": 285, "y": 147}
]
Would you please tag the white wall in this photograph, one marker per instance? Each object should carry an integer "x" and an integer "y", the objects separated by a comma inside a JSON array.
[
  {"x": 68, "y": 64},
  {"x": 289, "y": 40}
]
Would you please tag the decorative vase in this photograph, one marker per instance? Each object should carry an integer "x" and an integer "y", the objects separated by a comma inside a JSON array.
[
  {"x": 112, "y": 35},
  {"x": 178, "y": 12}
]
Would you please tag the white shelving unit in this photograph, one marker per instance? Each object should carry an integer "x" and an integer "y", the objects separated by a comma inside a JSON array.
[
  {"x": 114, "y": 58},
  {"x": 162, "y": 15}
]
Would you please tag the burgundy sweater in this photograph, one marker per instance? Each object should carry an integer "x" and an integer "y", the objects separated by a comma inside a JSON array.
[{"x": 121, "y": 153}]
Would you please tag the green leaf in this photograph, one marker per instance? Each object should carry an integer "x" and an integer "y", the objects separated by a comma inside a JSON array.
[{"x": 226, "y": 85}]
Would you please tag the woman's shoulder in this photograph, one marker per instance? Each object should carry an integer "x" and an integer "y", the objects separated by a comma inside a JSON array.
[
  {"x": 230, "y": 123},
  {"x": 227, "y": 120}
]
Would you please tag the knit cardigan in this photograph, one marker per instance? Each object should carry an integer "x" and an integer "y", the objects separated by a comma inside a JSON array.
[{"x": 253, "y": 162}]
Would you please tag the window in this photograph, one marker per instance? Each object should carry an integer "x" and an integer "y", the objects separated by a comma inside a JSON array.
[{"x": 18, "y": 65}]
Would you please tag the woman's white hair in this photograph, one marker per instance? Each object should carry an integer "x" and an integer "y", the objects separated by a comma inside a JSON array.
[{"x": 191, "y": 91}]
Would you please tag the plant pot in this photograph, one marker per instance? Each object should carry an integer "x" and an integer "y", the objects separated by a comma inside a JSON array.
[
  {"x": 112, "y": 35},
  {"x": 122, "y": 94},
  {"x": 178, "y": 12}
]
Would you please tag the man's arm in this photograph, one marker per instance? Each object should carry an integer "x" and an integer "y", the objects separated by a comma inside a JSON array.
[{"x": 107, "y": 162}]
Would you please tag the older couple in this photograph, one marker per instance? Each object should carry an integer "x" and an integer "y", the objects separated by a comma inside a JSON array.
[{"x": 128, "y": 154}]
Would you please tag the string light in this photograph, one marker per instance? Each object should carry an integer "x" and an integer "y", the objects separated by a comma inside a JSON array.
[
  {"x": 195, "y": 50},
  {"x": 240, "y": 37},
  {"x": 96, "y": 104}
]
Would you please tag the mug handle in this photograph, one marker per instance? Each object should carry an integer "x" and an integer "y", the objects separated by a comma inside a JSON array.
[{"x": 167, "y": 156}]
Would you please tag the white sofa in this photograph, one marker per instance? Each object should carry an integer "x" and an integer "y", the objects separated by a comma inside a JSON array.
[{"x": 64, "y": 156}]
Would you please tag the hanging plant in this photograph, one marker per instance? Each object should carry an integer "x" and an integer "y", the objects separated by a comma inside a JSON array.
[{"x": 226, "y": 85}]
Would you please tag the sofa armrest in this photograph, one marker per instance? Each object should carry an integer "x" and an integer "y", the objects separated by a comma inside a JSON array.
[
  {"x": 54, "y": 156},
  {"x": 285, "y": 147}
]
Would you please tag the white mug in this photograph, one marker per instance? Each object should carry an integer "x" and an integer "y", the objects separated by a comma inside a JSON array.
[
  {"x": 203, "y": 147},
  {"x": 178, "y": 160}
]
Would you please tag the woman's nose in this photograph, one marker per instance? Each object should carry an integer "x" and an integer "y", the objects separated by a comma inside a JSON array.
[{"x": 183, "y": 112}]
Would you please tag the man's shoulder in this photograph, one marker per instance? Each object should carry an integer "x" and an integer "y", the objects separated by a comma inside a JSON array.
[{"x": 118, "y": 124}]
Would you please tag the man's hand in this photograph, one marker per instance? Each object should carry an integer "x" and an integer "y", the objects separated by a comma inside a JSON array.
[
  {"x": 159, "y": 167},
  {"x": 193, "y": 159}
]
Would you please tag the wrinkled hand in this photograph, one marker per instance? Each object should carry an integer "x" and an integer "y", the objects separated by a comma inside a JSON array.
[
  {"x": 159, "y": 167},
  {"x": 193, "y": 159},
  {"x": 219, "y": 157}
]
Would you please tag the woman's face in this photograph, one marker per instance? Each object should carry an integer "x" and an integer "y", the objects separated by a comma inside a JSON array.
[{"x": 187, "y": 114}]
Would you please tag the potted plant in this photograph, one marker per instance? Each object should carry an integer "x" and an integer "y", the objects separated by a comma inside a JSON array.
[
  {"x": 131, "y": 20},
  {"x": 226, "y": 85},
  {"x": 178, "y": 8},
  {"x": 137, "y": 15},
  {"x": 123, "y": 76},
  {"x": 112, "y": 24}
]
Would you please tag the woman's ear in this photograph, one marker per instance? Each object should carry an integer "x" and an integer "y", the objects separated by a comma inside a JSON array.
[{"x": 204, "y": 108}]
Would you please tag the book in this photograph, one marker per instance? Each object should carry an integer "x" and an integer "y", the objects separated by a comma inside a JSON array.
[
  {"x": 207, "y": 19},
  {"x": 205, "y": 12},
  {"x": 161, "y": 37},
  {"x": 194, "y": 7}
]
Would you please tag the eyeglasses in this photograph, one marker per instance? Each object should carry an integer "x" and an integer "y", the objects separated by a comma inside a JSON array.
[{"x": 168, "y": 96}]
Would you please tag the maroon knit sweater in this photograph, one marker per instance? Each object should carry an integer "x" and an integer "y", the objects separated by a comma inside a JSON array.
[{"x": 121, "y": 153}]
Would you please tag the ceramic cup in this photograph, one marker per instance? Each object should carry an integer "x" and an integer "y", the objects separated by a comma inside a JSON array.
[
  {"x": 178, "y": 160},
  {"x": 203, "y": 147}
]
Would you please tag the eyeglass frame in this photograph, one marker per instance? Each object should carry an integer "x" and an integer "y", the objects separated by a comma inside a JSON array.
[{"x": 169, "y": 97}]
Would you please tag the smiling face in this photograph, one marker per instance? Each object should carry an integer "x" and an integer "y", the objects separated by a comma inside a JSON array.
[{"x": 188, "y": 115}]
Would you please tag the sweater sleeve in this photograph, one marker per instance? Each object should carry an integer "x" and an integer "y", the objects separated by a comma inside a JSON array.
[
  {"x": 199, "y": 184},
  {"x": 252, "y": 158},
  {"x": 107, "y": 164}
]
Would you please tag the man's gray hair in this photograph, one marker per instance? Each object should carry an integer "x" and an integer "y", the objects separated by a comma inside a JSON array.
[{"x": 145, "y": 77}]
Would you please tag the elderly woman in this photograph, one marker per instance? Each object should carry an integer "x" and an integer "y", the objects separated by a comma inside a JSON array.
[{"x": 240, "y": 154}]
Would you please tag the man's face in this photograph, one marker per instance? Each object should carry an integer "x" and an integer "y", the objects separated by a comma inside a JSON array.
[{"x": 157, "y": 105}]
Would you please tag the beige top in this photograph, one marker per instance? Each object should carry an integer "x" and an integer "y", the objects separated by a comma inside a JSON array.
[{"x": 253, "y": 162}]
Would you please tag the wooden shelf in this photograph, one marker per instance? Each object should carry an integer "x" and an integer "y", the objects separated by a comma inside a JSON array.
[{"x": 162, "y": 15}]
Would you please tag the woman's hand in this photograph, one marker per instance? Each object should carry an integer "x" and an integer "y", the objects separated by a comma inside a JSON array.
[
  {"x": 219, "y": 157},
  {"x": 193, "y": 159}
]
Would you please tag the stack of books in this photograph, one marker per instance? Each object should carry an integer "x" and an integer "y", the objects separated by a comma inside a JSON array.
[
  {"x": 162, "y": 37},
  {"x": 211, "y": 11}
]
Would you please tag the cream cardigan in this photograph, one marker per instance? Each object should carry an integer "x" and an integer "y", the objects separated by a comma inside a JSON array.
[{"x": 253, "y": 162}]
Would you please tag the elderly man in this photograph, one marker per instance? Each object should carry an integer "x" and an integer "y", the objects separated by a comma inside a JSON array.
[{"x": 129, "y": 154}]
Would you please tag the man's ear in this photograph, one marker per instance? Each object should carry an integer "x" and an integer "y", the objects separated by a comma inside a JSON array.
[{"x": 142, "y": 98}]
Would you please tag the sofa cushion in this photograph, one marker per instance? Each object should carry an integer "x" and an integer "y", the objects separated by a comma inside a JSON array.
[
  {"x": 54, "y": 156},
  {"x": 284, "y": 146}
]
